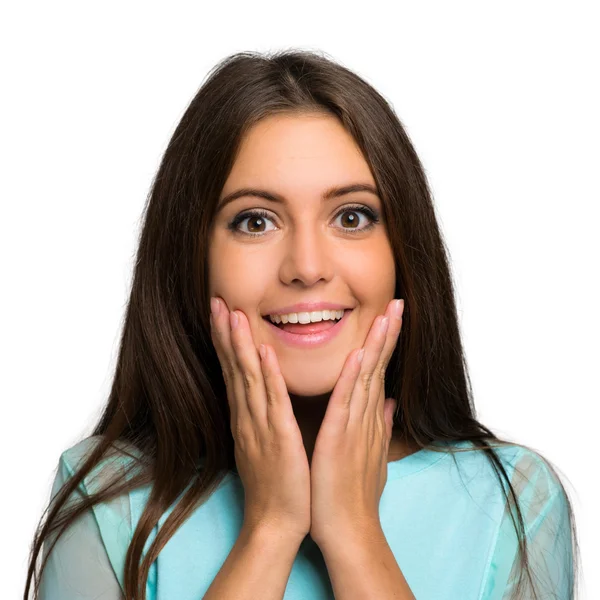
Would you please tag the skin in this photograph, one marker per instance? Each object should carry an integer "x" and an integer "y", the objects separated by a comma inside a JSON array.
[{"x": 304, "y": 250}]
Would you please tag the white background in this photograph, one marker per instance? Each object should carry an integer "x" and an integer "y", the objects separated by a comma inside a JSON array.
[{"x": 501, "y": 102}]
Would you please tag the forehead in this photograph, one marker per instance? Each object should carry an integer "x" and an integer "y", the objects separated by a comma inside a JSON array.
[{"x": 308, "y": 152}]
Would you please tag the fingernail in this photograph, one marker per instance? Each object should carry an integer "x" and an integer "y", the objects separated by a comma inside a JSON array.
[
  {"x": 398, "y": 308},
  {"x": 214, "y": 306},
  {"x": 383, "y": 325},
  {"x": 233, "y": 319},
  {"x": 360, "y": 355}
]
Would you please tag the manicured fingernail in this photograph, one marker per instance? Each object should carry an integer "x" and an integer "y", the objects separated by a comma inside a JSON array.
[
  {"x": 398, "y": 308},
  {"x": 233, "y": 319},
  {"x": 360, "y": 355},
  {"x": 215, "y": 306},
  {"x": 383, "y": 325}
]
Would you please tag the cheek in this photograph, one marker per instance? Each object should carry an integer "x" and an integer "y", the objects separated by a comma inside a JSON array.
[
  {"x": 236, "y": 275},
  {"x": 371, "y": 275}
]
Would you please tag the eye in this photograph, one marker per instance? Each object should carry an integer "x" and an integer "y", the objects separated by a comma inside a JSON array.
[
  {"x": 252, "y": 216},
  {"x": 353, "y": 220},
  {"x": 259, "y": 216}
]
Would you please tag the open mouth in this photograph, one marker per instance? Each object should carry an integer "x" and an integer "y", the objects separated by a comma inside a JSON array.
[
  {"x": 306, "y": 328},
  {"x": 310, "y": 334}
]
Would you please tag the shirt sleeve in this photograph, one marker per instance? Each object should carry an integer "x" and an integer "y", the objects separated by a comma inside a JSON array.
[
  {"x": 544, "y": 505},
  {"x": 88, "y": 559}
]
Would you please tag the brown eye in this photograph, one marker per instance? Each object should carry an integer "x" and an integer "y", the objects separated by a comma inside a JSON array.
[
  {"x": 349, "y": 218},
  {"x": 350, "y": 221},
  {"x": 256, "y": 221}
]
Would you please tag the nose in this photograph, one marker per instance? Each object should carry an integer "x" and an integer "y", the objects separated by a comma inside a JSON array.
[{"x": 307, "y": 256}]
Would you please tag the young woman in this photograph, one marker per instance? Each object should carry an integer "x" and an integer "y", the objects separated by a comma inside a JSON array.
[{"x": 247, "y": 451}]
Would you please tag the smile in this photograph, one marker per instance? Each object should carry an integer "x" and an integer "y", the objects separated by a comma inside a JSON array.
[{"x": 325, "y": 332}]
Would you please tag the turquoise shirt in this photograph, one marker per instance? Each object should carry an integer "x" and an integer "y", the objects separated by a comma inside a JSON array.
[{"x": 444, "y": 520}]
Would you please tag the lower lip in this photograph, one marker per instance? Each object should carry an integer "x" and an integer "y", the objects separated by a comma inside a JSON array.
[{"x": 309, "y": 340}]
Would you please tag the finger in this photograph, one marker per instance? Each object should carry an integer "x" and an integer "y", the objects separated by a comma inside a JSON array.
[
  {"x": 249, "y": 369},
  {"x": 339, "y": 401},
  {"x": 280, "y": 414},
  {"x": 221, "y": 336},
  {"x": 395, "y": 326},
  {"x": 359, "y": 395}
]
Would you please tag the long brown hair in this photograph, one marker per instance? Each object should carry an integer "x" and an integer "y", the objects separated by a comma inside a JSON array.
[{"x": 166, "y": 398}]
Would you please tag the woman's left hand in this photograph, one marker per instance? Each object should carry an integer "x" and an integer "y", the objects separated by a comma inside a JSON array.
[{"x": 348, "y": 469}]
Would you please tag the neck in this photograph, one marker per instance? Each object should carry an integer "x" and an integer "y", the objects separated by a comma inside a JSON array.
[{"x": 310, "y": 411}]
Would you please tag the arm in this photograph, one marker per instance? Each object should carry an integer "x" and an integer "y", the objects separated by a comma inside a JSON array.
[
  {"x": 362, "y": 565},
  {"x": 258, "y": 566}
]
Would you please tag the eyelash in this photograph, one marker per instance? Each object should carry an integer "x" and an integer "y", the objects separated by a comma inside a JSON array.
[{"x": 262, "y": 213}]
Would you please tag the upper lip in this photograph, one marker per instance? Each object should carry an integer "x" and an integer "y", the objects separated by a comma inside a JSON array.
[{"x": 307, "y": 307}]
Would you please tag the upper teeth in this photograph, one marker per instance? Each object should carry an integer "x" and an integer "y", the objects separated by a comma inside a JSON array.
[{"x": 308, "y": 317}]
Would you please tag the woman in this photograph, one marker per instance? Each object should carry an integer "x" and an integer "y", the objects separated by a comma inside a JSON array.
[{"x": 246, "y": 451}]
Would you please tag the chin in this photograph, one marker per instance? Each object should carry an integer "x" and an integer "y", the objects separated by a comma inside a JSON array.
[{"x": 300, "y": 387}]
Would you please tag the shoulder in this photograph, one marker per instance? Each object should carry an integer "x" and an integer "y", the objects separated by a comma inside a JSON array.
[
  {"x": 113, "y": 517},
  {"x": 546, "y": 517},
  {"x": 78, "y": 452},
  {"x": 521, "y": 462},
  {"x": 118, "y": 456},
  {"x": 542, "y": 496},
  {"x": 534, "y": 479},
  {"x": 530, "y": 468},
  {"x": 537, "y": 484}
]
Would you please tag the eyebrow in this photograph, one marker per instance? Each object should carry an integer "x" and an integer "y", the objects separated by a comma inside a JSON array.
[{"x": 333, "y": 192}]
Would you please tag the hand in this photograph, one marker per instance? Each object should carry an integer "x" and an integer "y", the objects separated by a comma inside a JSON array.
[
  {"x": 269, "y": 451},
  {"x": 349, "y": 463}
]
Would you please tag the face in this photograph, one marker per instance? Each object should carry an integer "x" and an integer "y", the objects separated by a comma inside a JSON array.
[{"x": 306, "y": 247}]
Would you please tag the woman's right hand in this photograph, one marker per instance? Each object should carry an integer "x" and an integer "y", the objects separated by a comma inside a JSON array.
[{"x": 269, "y": 452}]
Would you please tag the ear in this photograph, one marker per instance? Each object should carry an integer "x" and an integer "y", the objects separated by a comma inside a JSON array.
[{"x": 389, "y": 408}]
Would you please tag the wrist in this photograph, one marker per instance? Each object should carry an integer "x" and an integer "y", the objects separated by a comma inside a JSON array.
[
  {"x": 273, "y": 533},
  {"x": 352, "y": 538}
]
